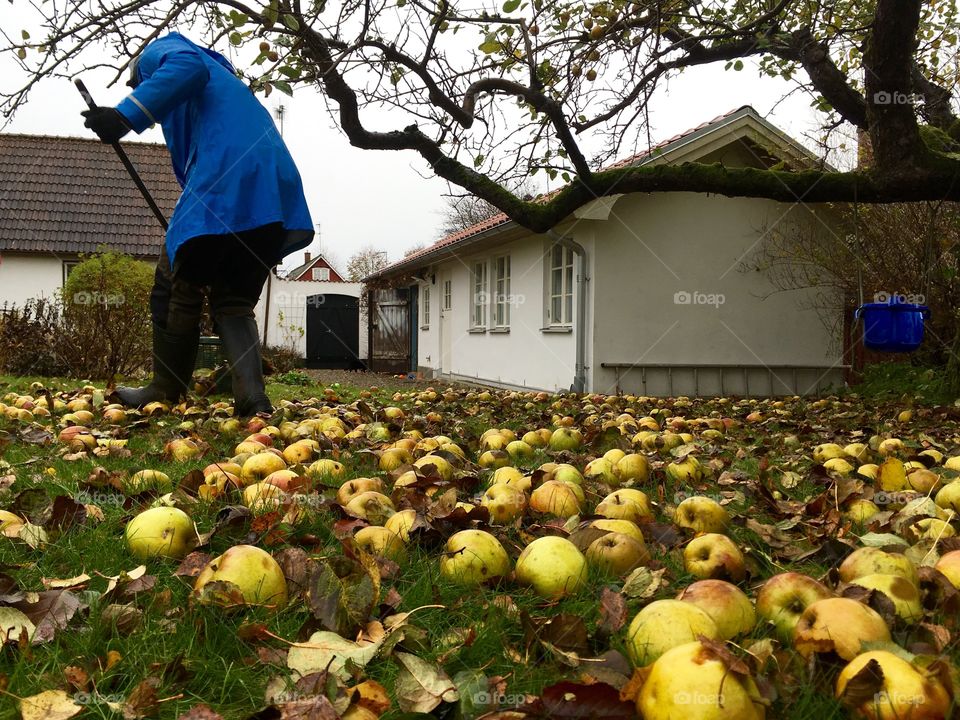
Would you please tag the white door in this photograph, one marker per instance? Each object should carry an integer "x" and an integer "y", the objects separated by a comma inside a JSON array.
[{"x": 446, "y": 323}]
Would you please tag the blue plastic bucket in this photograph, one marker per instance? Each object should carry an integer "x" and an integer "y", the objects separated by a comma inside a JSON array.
[{"x": 892, "y": 326}]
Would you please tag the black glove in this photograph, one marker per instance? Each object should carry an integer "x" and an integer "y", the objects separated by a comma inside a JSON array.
[{"x": 107, "y": 122}]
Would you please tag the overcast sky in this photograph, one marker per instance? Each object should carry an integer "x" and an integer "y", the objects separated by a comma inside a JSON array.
[{"x": 385, "y": 199}]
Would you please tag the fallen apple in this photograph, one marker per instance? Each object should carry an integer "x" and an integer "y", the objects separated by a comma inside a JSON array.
[
  {"x": 626, "y": 504},
  {"x": 701, "y": 515},
  {"x": 472, "y": 557},
  {"x": 783, "y": 598},
  {"x": 839, "y": 625},
  {"x": 379, "y": 540},
  {"x": 617, "y": 554},
  {"x": 504, "y": 502},
  {"x": 249, "y": 572},
  {"x": 903, "y": 690},
  {"x": 713, "y": 555},
  {"x": 725, "y": 603},
  {"x": 872, "y": 561},
  {"x": 666, "y": 624},
  {"x": 161, "y": 532},
  {"x": 553, "y": 566},
  {"x": 901, "y": 592},
  {"x": 557, "y": 498}
]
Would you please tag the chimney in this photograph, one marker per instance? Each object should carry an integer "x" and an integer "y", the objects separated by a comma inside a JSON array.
[{"x": 306, "y": 257}]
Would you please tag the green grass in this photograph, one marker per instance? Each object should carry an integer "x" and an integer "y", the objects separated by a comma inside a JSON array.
[
  {"x": 896, "y": 380},
  {"x": 197, "y": 652}
]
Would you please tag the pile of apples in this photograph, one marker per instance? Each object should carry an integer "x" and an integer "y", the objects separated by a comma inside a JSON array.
[{"x": 556, "y": 526}]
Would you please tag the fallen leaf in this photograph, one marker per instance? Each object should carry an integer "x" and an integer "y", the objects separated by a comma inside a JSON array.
[
  {"x": 643, "y": 583},
  {"x": 326, "y": 650},
  {"x": 863, "y": 687},
  {"x": 597, "y": 701},
  {"x": 421, "y": 686},
  {"x": 12, "y": 623},
  {"x": 54, "y": 583},
  {"x": 52, "y": 610},
  {"x": 613, "y": 612},
  {"x": 49, "y": 705},
  {"x": 142, "y": 702},
  {"x": 193, "y": 564}
]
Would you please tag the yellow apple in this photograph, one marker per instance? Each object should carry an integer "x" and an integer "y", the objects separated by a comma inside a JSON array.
[
  {"x": 553, "y": 566},
  {"x": 557, "y": 498},
  {"x": 249, "y": 571},
  {"x": 378, "y": 540},
  {"x": 702, "y": 515},
  {"x": 618, "y": 525},
  {"x": 161, "y": 532},
  {"x": 504, "y": 502},
  {"x": 626, "y": 504},
  {"x": 871, "y": 561},
  {"x": 902, "y": 593},
  {"x": 713, "y": 555},
  {"x": 401, "y": 523},
  {"x": 351, "y": 488},
  {"x": 148, "y": 480},
  {"x": 725, "y": 603},
  {"x": 839, "y": 625},
  {"x": 617, "y": 553},
  {"x": 258, "y": 466},
  {"x": 472, "y": 557},
  {"x": 665, "y": 624},
  {"x": 907, "y": 691},
  {"x": 633, "y": 467},
  {"x": 783, "y": 598}
]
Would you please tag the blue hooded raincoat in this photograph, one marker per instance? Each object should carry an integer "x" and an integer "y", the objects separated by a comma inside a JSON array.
[{"x": 234, "y": 168}]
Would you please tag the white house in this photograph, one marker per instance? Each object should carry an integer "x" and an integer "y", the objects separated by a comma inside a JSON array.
[
  {"x": 61, "y": 197},
  {"x": 639, "y": 293}
]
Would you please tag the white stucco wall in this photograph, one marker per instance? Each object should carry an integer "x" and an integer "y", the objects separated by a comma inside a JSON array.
[
  {"x": 288, "y": 310},
  {"x": 669, "y": 287},
  {"x": 524, "y": 357},
  {"x": 23, "y": 277}
]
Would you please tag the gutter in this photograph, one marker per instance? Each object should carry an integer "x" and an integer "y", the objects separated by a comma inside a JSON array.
[{"x": 580, "y": 372}]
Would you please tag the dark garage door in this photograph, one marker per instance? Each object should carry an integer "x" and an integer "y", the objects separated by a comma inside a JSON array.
[{"x": 333, "y": 331}]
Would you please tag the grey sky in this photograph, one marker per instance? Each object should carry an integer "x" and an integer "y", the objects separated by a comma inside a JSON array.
[{"x": 383, "y": 199}]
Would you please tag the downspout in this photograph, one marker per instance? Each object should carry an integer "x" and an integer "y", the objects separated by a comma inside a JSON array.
[{"x": 580, "y": 376}]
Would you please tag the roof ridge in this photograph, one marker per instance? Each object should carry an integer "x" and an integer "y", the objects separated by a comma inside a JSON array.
[{"x": 75, "y": 138}]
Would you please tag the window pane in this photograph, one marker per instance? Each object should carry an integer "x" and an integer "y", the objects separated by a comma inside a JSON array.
[
  {"x": 568, "y": 308},
  {"x": 555, "y": 309},
  {"x": 556, "y": 256},
  {"x": 556, "y": 282}
]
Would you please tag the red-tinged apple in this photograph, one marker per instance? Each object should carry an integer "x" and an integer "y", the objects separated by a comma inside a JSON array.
[
  {"x": 617, "y": 554},
  {"x": 872, "y": 561},
  {"x": 666, "y": 624},
  {"x": 442, "y": 466},
  {"x": 565, "y": 438},
  {"x": 557, "y": 498},
  {"x": 78, "y": 438},
  {"x": 553, "y": 566},
  {"x": 504, "y": 502},
  {"x": 617, "y": 525},
  {"x": 371, "y": 506},
  {"x": 401, "y": 523},
  {"x": 161, "y": 532},
  {"x": 783, "y": 598},
  {"x": 725, "y": 603},
  {"x": 247, "y": 570},
  {"x": 258, "y": 466},
  {"x": 144, "y": 480},
  {"x": 633, "y": 467},
  {"x": 378, "y": 540},
  {"x": 713, "y": 555},
  {"x": 902, "y": 593},
  {"x": 263, "y": 497},
  {"x": 701, "y": 515},
  {"x": 690, "y": 682},
  {"x": 472, "y": 557},
  {"x": 907, "y": 691},
  {"x": 286, "y": 480},
  {"x": 839, "y": 625},
  {"x": 949, "y": 565},
  {"x": 260, "y": 437},
  {"x": 626, "y": 504},
  {"x": 222, "y": 467},
  {"x": 351, "y": 488}
]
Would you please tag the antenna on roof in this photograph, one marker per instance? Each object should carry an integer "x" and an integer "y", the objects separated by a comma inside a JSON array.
[{"x": 280, "y": 111}]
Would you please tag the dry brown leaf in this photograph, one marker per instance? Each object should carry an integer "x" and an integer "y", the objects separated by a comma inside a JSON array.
[{"x": 49, "y": 705}]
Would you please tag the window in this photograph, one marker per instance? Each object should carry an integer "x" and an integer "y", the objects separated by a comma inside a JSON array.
[
  {"x": 68, "y": 266},
  {"x": 478, "y": 298},
  {"x": 447, "y": 294},
  {"x": 425, "y": 301},
  {"x": 501, "y": 291},
  {"x": 321, "y": 273},
  {"x": 560, "y": 307}
]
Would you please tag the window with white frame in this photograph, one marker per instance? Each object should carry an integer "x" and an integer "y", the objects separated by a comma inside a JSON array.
[
  {"x": 447, "y": 294},
  {"x": 560, "y": 286},
  {"x": 321, "y": 273},
  {"x": 501, "y": 291},
  {"x": 425, "y": 300},
  {"x": 478, "y": 298}
]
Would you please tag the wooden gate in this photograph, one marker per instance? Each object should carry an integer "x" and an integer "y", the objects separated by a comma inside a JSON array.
[{"x": 390, "y": 330}]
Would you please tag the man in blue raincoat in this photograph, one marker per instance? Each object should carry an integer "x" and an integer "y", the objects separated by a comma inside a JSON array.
[{"x": 241, "y": 211}]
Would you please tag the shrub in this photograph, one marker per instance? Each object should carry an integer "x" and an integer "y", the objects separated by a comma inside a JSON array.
[
  {"x": 281, "y": 359},
  {"x": 31, "y": 339},
  {"x": 106, "y": 316}
]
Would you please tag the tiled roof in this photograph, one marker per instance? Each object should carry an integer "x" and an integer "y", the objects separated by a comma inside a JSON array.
[
  {"x": 501, "y": 219},
  {"x": 72, "y": 195}
]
